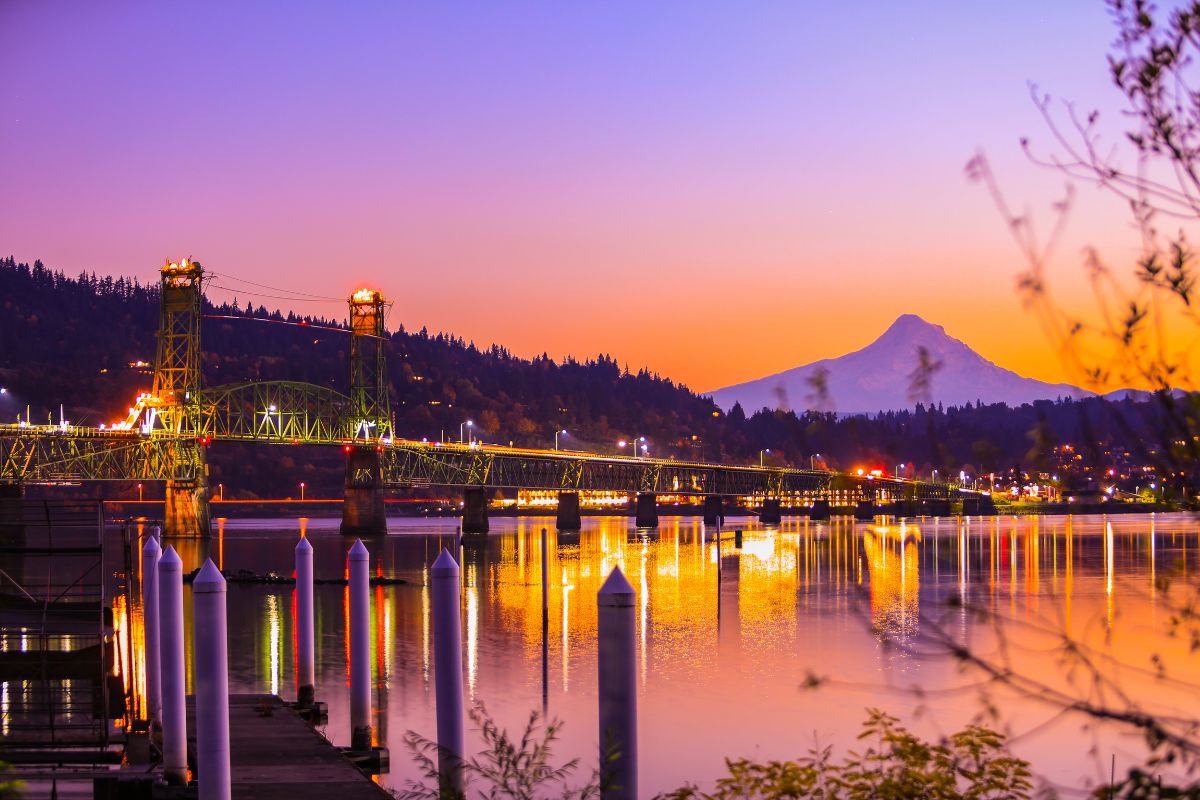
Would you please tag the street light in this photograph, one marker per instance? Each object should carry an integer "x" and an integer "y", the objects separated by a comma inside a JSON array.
[
  {"x": 461, "y": 434},
  {"x": 139, "y": 493},
  {"x": 221, "y": 487},
  {"x": 634, "y": 444},
  {"x": 812, "y": 461},
  {"x": 761, "y": 453},
  {"x": 301, "y": 491},
  {"x": 558, "y": 433}
]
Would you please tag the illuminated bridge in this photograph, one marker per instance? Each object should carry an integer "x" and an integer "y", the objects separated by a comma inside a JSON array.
[{"x": 167, "y": 429}]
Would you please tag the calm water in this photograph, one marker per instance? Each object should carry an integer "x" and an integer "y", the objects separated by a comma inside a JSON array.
[{"x": 725, "y": 643}]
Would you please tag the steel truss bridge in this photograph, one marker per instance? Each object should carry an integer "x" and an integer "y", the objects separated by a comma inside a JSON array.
[{"x": 164, "y": 437}]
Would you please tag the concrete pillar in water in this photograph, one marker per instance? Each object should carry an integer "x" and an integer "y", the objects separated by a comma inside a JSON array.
[
  {"x": 360, "y": 648},
  {"x": 987, "y": 506},
  {"x": 174, "y": 688},
  {"x": 714, "y": 509},
  {"x": 771, "y": 512},
  {"x": 151, "y": 552},
  {"x": 475, "y": 510},
  {"x": 569, "y": 518},
  {"x": 447, "y": 664},
  {"x": 186, "y": 513},
  {"x": 616, "y": 673},
  {"x": 363, "y": 512},
  {"x": 935, "y": 508},
  {"x": 819, "y": 510},
  {"x": 970, "y": 506},
  {"x": 306, "y": 654},
  {"x": 864, "y": 509},
  {"x": 646, "y": 510},
  {"x": 212, "y": 684}
]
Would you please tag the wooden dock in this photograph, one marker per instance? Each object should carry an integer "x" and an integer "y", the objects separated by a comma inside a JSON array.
[{"x": 275, "y": 755}]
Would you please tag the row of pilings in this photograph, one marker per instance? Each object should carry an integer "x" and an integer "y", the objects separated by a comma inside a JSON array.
[{"x": 166, "y": 667}]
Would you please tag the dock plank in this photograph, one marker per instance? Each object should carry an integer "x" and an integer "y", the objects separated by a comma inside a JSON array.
[{"x": 278, "y": 756}]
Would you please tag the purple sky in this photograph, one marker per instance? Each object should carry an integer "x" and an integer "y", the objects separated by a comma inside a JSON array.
[{"x": 716, "y": 191}]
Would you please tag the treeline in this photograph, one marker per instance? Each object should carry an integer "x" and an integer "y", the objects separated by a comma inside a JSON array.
[{"x": 72, "y": 340}]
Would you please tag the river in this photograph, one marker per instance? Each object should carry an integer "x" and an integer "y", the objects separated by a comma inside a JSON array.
[{"x": 727, "y": 645}]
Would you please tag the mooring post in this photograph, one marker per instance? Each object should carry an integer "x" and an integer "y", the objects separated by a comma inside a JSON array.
[
  {"x": 360, "y": 648},
  {"x": 305, "y": 630},
  {"x": 212, "y": 684},
  {"x": 447, "y": 664},
  {"x": 545, "y": 581},
  {"x": 616, "y": 672},
  {"x": 151, "y": 552},
  {"x": 174, "y": 689}
]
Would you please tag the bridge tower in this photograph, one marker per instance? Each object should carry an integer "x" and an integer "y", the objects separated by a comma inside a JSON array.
[
  {"x": 362, "y": 505},
  {"x": 175, "y": 392}
]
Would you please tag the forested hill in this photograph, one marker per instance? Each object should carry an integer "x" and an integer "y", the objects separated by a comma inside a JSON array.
[{"x": 77, "y": 341}]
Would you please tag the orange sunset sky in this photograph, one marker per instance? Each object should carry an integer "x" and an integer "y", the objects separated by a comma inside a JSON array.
[{"x": 715, "y": 193}]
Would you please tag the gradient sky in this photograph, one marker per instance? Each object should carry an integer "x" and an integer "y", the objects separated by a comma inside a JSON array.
[{"x": 716, "y": 191}]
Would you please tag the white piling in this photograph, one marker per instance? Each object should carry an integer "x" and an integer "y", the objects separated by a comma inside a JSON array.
[
  {"x": 151, "y": 552},
  {"x": 447, "y": 653},
  {"x": 360, "y": 647},
  {"x": 212, "y": 683},
  {"x": 305, "y": 627},
  {"x": 616, "y": 672},
  {"x": 545, "y": 580},
  {"x": 174, "y": 689}
]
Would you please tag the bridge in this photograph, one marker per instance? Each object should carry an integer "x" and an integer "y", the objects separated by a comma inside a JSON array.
[{"x": 168, "y": 428}]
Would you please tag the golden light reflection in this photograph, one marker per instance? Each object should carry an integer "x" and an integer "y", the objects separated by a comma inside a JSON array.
[{"x": 895, "y": 578}]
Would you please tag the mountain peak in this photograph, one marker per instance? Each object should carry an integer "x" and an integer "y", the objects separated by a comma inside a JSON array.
[
  {"x": 879, "y": 377},
  {"x": 908, "y": 325}
]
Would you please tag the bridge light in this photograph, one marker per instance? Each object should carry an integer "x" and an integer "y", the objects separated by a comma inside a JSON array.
[
  {"x": 347, "y": 448},
  {"x": 365, "y": 296}
]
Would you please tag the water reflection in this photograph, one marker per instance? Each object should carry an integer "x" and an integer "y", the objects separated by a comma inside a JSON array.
[{"x": 724, "y": 633}]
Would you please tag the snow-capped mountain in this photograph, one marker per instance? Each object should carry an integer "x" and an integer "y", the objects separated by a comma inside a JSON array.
[{"x": 886, "y": 375}]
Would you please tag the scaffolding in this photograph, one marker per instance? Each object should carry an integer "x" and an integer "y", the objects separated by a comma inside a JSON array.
[{"x": 62, "y": 697}]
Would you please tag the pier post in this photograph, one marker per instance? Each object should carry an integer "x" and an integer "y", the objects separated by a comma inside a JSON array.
[
  {"x": 305, "y": 628},
  {"x": 475, "y": 510},
  {"x": 448, "y": 675},
  {"x": 771, "y": 512},
  {"x": 970, "y": 506},
  {"x": 151, "y": 552},
  {"x": 363, "y": 512},
  {"x": 545, "y": 580},
  {"x": 864, "y": 509},
  {"x": 174, "y": 690},
  {"x": 569, "y": 518},
  {"x": 819, "y": 510},
  {"x": 616, "y": 673},
  {"x": 212, "y": 684},
  {"x": 360, "y": 648},
  {"x": 646, "y": 510},
  {"x": 714, "y": 508}
]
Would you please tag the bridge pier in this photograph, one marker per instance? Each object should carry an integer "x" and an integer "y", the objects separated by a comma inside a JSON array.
[
  {"x": 186, "y": 513},
  {"x": 569, "y": 518},
  {"x": 819, "y": 510},
  {"x": 475, "y": 510},
  {"x": 363, "y": 513},
  {"x": 646, "y": 510},
  {"x": 935, "y": 508},
  {"x": 771, "y": 512},
  {"x": 714, "y": 509},
  {"x": 864, "y": 509}
]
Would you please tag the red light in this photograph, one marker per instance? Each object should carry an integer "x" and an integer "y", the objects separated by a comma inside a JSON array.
[
  {"x": 295, "y": 441},
  {"x": 347, "y": 448},
  {"x": 378, "y": 448}
]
